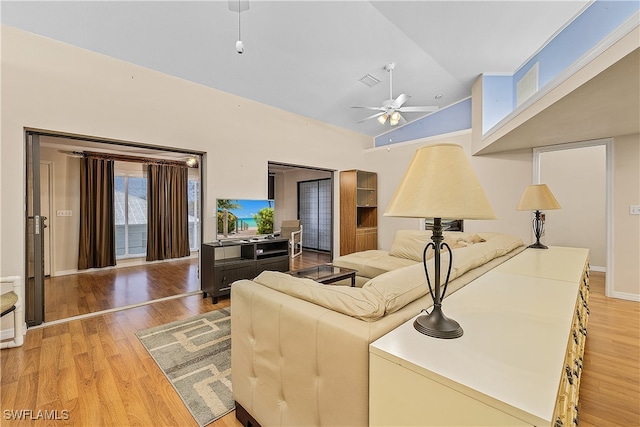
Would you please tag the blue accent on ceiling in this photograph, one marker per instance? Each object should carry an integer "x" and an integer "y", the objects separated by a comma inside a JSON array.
[
  {"x": 497, "y": 99},
  {"x": 585, "y": 32},
  {"x": 592, "y": 26},
  {"x": 450, "y": 119}
]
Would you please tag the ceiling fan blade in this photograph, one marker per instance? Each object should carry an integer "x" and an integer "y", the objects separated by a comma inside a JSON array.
[
  {"x": 371, "y": 117},
  {"x": 423, "y": 109},
  {"x": 370, "y": 108},
  {"x": 401, "y": 99}
]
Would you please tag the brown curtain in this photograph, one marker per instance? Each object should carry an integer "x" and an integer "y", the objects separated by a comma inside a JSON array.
[
  {"x": 97, "y": 246},
  {"x": 168, "y": 212}
]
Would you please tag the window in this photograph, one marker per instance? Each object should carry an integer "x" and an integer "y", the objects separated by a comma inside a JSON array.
[
  {"x": 130, "y": 202},
  {"x": 130, "y": 183},
  {"x": 194, "y": 211}
]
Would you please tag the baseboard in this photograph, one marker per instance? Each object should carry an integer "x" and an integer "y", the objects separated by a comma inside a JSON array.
[
  {"x": 626, "y": 296},
  {"x": 598, "y": 268},
  {"x": 7, "y": 334},
  {"x": 131, "y": 262}
]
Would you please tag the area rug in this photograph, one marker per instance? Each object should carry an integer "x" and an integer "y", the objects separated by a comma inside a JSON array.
[{"x": 195, "y": 356}]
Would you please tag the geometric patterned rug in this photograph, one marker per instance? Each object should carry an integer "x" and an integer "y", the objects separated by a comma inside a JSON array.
[{"x": 195, "y": 356}]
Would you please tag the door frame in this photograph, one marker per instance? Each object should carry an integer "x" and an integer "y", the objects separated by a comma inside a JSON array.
[
  {"x": 608, "y": 143},
  {"x": 38, "y": 299},
  {"x": 34, "y": 241}
]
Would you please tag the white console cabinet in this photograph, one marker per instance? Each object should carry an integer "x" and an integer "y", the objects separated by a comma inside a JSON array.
[{"x": 518, "y": 362}]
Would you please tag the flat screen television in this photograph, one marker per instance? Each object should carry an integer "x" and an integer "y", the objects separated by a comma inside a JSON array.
[{"x": 244, "y": 218}]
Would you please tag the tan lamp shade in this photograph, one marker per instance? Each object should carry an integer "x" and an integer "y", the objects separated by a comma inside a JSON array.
[
  {"x": 440, "y": 183},
  {"x": 537, "y": 198}
]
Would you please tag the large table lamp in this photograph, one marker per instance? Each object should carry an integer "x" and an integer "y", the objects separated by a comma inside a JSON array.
[
  {"x": 439, "y": 183},
  {"x": 537, "y": 198}
]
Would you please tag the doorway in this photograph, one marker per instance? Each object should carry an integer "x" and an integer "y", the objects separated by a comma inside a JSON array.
[
  {"x": 581, "y": 177},
  {"x": 286, "y": 181},
  {"x": 56, "y": 289}
]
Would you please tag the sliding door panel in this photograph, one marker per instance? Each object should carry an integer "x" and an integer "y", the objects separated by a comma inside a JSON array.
[
  {"x": 34, "y": 235},
  {"x": 314, "y": 211}
]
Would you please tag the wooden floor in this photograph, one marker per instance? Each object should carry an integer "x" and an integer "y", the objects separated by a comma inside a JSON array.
[
  {"x": 610, "y": 382},
  {"x": 91, "y": 292},
  {"x": 97, "y": 370}
]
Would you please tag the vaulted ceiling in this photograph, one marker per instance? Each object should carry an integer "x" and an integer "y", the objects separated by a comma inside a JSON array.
[{"x": 307, "y": 57}]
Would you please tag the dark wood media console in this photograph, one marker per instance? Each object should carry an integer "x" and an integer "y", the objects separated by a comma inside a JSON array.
[{"x": 223, "y": 262}]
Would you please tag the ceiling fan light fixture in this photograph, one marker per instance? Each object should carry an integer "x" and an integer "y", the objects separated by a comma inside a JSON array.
[
  {"x": 383, "y": 119},
  {"x": 395, "y": 118}
]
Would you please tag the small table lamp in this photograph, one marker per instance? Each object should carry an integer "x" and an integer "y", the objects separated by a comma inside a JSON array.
[
  {"x": 439, "y": 183},
  {"x": 536, "y": 198}
]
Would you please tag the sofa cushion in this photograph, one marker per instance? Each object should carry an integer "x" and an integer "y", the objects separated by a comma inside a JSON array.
[
  {"x": 410, "y": 244},
  {"x": 399, "y": 287},
  {"x": 372, "y": 263},
  {"x": 356, "y": 302}
]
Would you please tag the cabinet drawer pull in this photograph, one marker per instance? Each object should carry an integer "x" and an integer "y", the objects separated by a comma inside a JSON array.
[
  {"x": 569, "y": 373},
  {"x": 558, "y": 423}
]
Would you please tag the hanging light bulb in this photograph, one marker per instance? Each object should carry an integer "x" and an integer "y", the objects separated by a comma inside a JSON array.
[
  {"x": 239, "y": 6},
  {"x": 383, "y": 118},
  {"x": 395, "y": 118}
]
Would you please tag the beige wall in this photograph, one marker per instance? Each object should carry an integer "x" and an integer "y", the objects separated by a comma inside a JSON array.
[
  {"x": 503, "y": 177},
  {"x": 626, "y": 233},
  {"x": 52, "y": 86},
  {"x": 577, "y": 178},
  {"x": 286, "y": 192},
  {"x": 65, "y": 182}
]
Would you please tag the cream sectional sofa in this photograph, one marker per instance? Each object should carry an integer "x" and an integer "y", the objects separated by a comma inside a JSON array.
[
  {"x": 407, "y": 249},
  {"x": 300, "y": 349}
]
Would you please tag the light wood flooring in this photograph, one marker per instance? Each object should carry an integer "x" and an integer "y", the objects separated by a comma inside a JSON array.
[
  {"x": 97, "y": 370},
  {"x": 95, "y": 291}
]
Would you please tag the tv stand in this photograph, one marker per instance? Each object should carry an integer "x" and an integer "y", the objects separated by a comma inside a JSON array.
[{"x": 225, "y": 261}]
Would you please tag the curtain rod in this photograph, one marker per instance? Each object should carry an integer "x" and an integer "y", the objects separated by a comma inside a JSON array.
[{"x": 136, "y": 159}]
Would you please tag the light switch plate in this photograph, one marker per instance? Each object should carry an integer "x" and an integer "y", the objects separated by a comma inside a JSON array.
[{"x": 634, "y": 209}]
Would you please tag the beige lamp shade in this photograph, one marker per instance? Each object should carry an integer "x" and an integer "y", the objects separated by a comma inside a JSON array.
[
  {"x": 440, "y": 183},
  {"x": 537, "y": 198}
]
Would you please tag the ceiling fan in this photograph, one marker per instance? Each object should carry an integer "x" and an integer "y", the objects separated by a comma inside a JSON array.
[{"x": 391, "y": 108}]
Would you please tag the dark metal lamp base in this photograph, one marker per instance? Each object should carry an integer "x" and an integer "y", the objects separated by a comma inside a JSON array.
[
  {"x": 538, "y": 245},
  {"x": 437, "y": 325}
]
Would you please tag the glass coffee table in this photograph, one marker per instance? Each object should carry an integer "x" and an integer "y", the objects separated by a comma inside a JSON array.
[{"x": 326, "y": 274}]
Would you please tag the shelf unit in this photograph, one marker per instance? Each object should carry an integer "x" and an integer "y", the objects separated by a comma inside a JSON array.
[
  {"x": 225, "y": 261},
  {"x": 358, "y": 211}
]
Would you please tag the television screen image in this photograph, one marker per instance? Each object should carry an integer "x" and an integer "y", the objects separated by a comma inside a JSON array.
[{"x": 242, "y": 218}]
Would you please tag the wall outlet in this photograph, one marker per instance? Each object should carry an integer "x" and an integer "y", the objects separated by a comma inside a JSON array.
[
  {"x": 63, "y": 213},
  {"x": 634, "y": 209}
]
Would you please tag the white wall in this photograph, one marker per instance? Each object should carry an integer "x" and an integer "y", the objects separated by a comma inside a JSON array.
[
  {"x": 503, "y": 177},
  {"x": 49, "y": 85},
  {"x": 626, "y": 227},
  {"x": 286, "y": 192},
  {"x": 577, "y": 179},
  {"x": 65, "y": 196}
]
